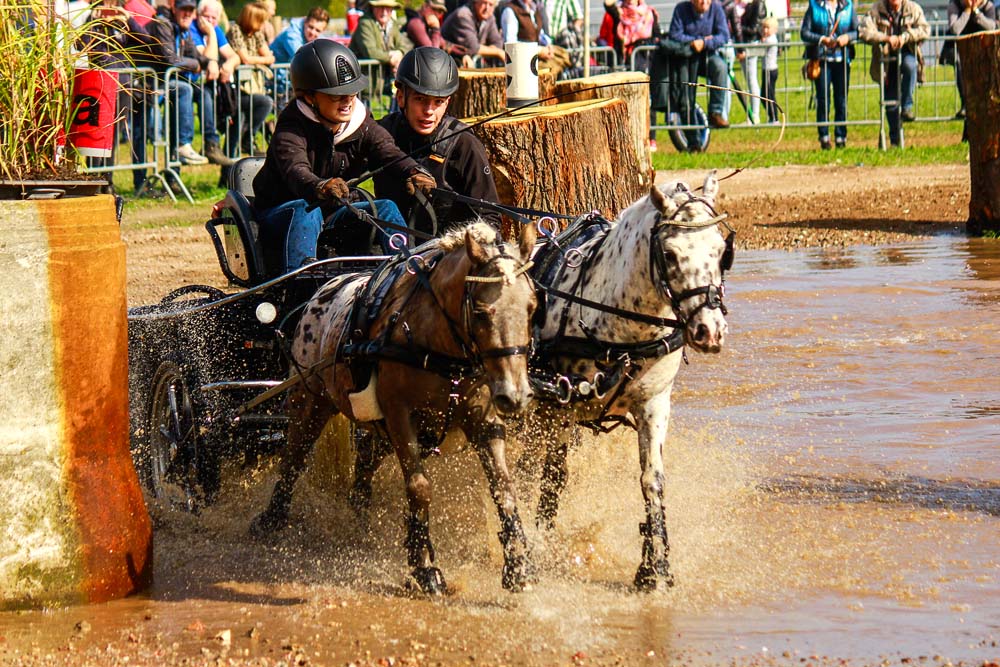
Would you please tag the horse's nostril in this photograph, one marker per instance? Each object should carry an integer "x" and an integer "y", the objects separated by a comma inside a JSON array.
[
  {"x": 701, "y": 333},
  {"x": 504, "y": 403}
]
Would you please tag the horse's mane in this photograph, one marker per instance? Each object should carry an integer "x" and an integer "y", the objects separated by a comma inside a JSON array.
[{"x": 481, "y": 231}]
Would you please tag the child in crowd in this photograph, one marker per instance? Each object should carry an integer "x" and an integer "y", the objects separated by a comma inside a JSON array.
[{"x": 769, "y": 36}]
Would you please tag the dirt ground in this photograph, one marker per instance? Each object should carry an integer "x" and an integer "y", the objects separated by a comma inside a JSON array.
[{"x": 776, "y": 207}]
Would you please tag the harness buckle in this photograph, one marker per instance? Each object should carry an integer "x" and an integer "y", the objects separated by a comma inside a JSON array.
[
  {"x": 563, "y": 383},
  {"x": 574, "y": 258},
  {"x": 398, "y": 241},
  {"x": 415, "y": 263},
  {"x": 598, "y": 381}
]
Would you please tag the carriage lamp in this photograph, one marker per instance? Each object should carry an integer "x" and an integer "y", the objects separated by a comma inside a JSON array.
[{"x": 266, "y": 312}]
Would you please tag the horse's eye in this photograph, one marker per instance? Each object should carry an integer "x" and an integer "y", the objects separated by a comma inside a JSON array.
[
  {"x": 670, "y": 257},
  {"x": 482, "y": 314}
]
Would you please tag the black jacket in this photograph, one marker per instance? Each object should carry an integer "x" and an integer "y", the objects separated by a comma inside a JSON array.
[
  {"x": 175, "y": 48},
  {"x": 458, "y": 164},
  {"x": 302, "y": 153}
]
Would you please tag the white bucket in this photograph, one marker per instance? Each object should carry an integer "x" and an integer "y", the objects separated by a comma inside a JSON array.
[{"x": 522, "y": 73}]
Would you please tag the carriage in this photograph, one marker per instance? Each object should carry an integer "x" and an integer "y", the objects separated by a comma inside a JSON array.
[{"x": 204, "y": 363}]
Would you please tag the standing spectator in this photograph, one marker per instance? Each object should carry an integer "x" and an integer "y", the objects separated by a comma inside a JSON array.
[
  {"x": 210, "y": 42},
  {"x": 299, "y": 31},
  {"x": 964, "y": 18},
  {"x": 379, "y": 38},
  {"x": 272, "y": 24},
  {"x": 322, "y": 139},
  {"x": 425, "y": 81},
  {"x": 571, "y": 39},
  {"x": 424, "y": 29},
  {"x": 828, "y": 30},
  {"x": 895, "y": 28},
  {"x": 744, "y": 27},
  {"x": 172, "y": 30},
  {"x": 352, "y": 16},
  {"x": 526, "y": 21},
  {"x": 769, "y": 84},
  {"x": 701, "y": 26},
  {"x": 474, "y": 27},
  {"x": 562, "y": 15},
  {"x": 248, "y": 41},
  {"x": 633, "y": 23}
]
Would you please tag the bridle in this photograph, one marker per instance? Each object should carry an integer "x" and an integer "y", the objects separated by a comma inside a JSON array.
[{"x": 659, "y": 269}]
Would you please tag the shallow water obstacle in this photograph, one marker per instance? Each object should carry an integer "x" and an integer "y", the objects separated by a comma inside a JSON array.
[{"x": 73, "y": 523}]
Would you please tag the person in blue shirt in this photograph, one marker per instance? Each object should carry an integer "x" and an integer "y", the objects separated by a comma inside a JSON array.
[
  {"x": 299, "y": 31},
  {"x": 829, "y": 29},
  {"x": 701, "y": 25}
]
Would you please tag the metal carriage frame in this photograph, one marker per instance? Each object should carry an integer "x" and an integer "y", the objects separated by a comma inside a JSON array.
[{"x": 198, "y": 357}]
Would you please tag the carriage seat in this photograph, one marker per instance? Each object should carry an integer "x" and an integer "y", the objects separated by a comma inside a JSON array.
[{"x": 241, "y": 256}]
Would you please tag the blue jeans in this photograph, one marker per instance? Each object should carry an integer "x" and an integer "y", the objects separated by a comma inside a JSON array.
[
  {"x": 204, "y": 94},
  {"x": 837, "y": 75},
  {"x": 182, "y": 119},
  {"x": 897, "y": 87},
  {"x": 302, "y": 225}
]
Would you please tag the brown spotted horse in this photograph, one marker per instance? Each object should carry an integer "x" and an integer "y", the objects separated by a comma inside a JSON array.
[
  {"x": 436, "y": 340},
  {"x": 623, "y": 299}
]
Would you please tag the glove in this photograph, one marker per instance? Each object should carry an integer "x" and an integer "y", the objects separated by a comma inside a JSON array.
[
  {"x": 420, "y": 180},
  {"x": 332, "y": 188}
]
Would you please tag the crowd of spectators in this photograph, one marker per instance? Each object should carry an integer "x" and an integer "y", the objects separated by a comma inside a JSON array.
[{"x": 228, "y": 94}]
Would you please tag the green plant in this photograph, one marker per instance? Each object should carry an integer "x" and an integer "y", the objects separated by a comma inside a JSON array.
[{"x": 39, "y": 51}]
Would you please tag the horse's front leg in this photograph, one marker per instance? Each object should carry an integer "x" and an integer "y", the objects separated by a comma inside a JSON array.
[
  {"x": 654, "y": 569},
  {"x": 419, "y": 550},
  {"x": 308, "y": 413},
  {"x": 489, "y": 437},
  {"x": 554, "y": 471}
]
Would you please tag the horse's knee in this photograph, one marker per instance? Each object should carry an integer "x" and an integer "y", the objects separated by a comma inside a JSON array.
[
  {"x": 652, "y": 484},
  {"x": 418, "y": 489}
]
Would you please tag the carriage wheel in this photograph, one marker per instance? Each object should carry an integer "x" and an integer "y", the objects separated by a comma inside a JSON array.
[
  {"x": 169, "y": 462},
  {"x": 691, "y": 141}
]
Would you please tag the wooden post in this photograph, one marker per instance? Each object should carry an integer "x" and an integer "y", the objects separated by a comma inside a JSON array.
[
  {"x": 483, "y": 92},
  {"x": 633, "y": 88},
  {"x": 980, "y": 53},
  {"x": 567, "y": 158}
]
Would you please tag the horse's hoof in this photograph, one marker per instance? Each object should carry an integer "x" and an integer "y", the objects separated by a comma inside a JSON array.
[
  {"x": 649, "y": 578},
  {"x": 518, "y": 575},
  {"x": 268, "y": 523},
  {"x": 430, "y": 580}
]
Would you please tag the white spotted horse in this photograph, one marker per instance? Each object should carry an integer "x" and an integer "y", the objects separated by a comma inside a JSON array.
[
  {"x": 437, "y": 339},
  {"x": 623, "y": 299}
]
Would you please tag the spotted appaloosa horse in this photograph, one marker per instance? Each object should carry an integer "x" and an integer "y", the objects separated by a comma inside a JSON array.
[
  {"x": 621, "y": 306},
  {"x": 449, "y": 348}
]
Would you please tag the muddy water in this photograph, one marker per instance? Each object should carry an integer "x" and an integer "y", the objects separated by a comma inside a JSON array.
[{"x": 833, "y": 493}]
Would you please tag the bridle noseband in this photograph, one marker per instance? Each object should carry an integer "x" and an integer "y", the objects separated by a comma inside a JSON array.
[{"x": 659, "y": 270}]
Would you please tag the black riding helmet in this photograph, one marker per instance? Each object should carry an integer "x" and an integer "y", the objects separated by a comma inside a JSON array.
[
  {"x": 429, "y": 71},
  {"x": 324, "y": 66}
]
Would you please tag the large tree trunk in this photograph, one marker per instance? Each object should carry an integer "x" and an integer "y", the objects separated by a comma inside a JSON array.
[
  {"x": 483, "y": 92},
  {"x": 980, "y": 55},
  {"x": 633, "y": 88},
  {"x": 567, "y": 158}
]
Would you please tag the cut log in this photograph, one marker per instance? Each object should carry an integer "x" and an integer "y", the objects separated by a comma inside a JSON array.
[
  {"x": 980, "y": 53},
  {"x": 633, "y": 88},
  {"x": 568, "y": 158},
  {"x": 483, "y": 92}
]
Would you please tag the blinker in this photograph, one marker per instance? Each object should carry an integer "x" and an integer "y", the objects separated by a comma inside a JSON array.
[{"x": 726, "y": 262}]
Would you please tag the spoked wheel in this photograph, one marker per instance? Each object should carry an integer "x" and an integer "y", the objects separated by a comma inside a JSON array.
[
  {"x": 170, "y": 473},
  {"x": 690, "y": 141}
]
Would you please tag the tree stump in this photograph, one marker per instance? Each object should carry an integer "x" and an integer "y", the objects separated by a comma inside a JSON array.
[
  {"x": 980, "y": 55},
  {"x": 568, "y": 158},
  {"x": 483, "y": 92},
  {"x": 633, "y": 88}
]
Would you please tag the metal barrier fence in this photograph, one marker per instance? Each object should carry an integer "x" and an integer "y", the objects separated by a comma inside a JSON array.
[
  {"x": 158, "y": 113},
  {"x": 936, "y": 98}
]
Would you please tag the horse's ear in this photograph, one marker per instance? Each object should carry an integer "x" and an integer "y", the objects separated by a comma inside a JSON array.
[
  {"x": 527, "y": 241},
  {"x": 659, "y": 199},
  {"x": 474, "y": 249},
  {"x": 711, "y": 186}
]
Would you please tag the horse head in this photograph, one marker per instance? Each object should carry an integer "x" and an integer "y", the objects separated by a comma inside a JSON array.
[
  {"x": 689, "y": 255},
  {"x": 500, "y": 304}
]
